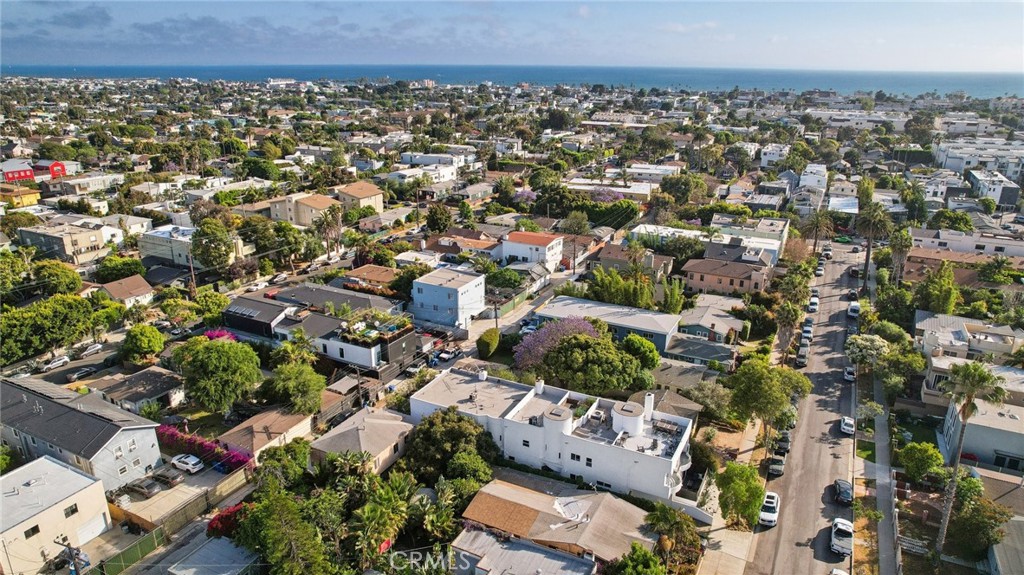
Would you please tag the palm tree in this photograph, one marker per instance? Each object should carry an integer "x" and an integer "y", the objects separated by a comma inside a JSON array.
[
  {"x": 786, "y": 317},
  {"x": 299, "y": 349},
  {"x": 873, "y": 222},
  {"x": 967, "y": 383},
  {"x": 900, "y": 243},
  {"x": 1016, "y": 358},
  {"x": 819, "y": 225},
  {"x": 370, "y": 524}
]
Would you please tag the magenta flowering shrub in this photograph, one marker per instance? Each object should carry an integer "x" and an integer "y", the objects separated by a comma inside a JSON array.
[
  {"x": 531, "y": 351},
  {"x": 172, "y": 439},
  {"x": 213, "y": 334}
]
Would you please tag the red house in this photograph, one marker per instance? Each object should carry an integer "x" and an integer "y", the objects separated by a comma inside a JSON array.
[
  {"x": 18, "y": 170},
  {"x": 55, "y": 168}
]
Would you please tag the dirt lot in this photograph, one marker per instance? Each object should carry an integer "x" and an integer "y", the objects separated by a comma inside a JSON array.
[
  {"x": 865, "y": 549},
  {"x": 171, "y": 498}
]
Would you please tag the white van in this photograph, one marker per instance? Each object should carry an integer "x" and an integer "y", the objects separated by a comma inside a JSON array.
[
  {"x": 854, "y": 310},
  {"x": 802, "y": 355}
]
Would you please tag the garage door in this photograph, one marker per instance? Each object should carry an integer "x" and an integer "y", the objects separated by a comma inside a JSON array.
[{"x": 92, "y": 529}]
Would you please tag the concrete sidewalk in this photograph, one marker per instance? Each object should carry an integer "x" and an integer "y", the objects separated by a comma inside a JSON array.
[
  {"x": 883, "y": 487},
  {"x": 728, "y": 550}
]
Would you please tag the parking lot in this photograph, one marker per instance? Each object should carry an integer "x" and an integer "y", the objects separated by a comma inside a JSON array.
[{"x": 156, "y": 507}]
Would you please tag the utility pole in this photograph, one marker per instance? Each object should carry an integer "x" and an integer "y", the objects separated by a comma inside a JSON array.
[{"x": 496, "y": 316}]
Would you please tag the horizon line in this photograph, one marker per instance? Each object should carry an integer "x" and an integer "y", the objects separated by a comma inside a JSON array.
[{"x": 587, "y": 66}]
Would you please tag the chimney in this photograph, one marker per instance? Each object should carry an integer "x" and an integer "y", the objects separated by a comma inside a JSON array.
[
  {"x": 482, "y": 375},
  {"x": 648, "y": 406},
  {"x": 937, "y": 351},
  {"x": 711, "y": 333},
  {"x": 538, "y": 387}
]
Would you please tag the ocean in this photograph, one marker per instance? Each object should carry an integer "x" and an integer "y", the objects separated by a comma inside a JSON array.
[{"x": 978, "y": 85}]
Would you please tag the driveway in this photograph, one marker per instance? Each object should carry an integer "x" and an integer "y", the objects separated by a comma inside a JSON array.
[
  {"x": 170, "y": 499},
  {"x": 820, "y": 454}
]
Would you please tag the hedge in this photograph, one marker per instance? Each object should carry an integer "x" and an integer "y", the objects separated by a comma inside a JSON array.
[
  {"x": 488, "y": 342},
  {"x": 172, "y": 438}
]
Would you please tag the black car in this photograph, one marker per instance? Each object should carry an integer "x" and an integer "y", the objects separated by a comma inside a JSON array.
[
  {"x": 784, "y": 442},
  {"x": 79, "y": 374},
  {"x": 852, "y": 295},
  {"x": 843, "y": 491},
  {"x": 169, "y": 476}
]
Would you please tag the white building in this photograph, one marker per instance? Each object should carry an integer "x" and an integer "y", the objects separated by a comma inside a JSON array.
[
  {"x": 772, "y": 154},
  {"x": 532, "y": 247},
  {"x": 448, "y": 297},
  {"x": 173, "y": 245},
  {"x": 967, "y": 243},
  {"x": 996, "y": 154},
  {"x": 965, "y": 124},
  {"x": 815, "y": 175},
  {"x": 860, "y": 119},
  {"x": 652, "y": 173},
  {"x": 995, "y": 186},
  {"x": 46, "y": 502},
  {"x": 634, "y": 190},
  {"x": 437, "y": 173},
  {"x": 418, "y": 159},
  {"x": 619, "y": 446}
]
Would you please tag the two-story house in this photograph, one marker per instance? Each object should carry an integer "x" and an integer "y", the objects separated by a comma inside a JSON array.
[
  {"x": 618, "y": 257},
  {"x": 619, "y": 446},
  {"x": 360, "y": 194},
  {"x": 111, "y": 444},
  {"x": 300, "y": 209},
  {"x": 723, "y": 277},
  {"x": 532, "y": 247},
  {"x": 995, "y": 433},
  {"x": 448, "y": 297}
]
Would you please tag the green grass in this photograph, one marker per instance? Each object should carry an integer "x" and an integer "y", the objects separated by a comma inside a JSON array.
[
  {"x": 922, "y": 433},
  {"x": 501, "y": 356},
  {"x": 866, "y": 450},
  {"x": 204, "y": 423}
]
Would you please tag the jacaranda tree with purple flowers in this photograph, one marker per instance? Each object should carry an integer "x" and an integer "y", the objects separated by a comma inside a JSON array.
[{"x": 531, "y": 351}]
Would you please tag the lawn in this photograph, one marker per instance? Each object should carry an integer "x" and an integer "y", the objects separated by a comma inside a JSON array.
[
  {"x": 501, "y": 356},
  {"x": 923, "y": 433},
  {"x": 204, "y": 423},
  {"x": 866, "y": 450}
]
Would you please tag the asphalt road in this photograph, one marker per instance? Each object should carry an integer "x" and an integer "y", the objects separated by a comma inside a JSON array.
[{"x": 799, "y": 544}]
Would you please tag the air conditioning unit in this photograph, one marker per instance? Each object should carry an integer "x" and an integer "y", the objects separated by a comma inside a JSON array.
[{"x": 598, "y": 415}]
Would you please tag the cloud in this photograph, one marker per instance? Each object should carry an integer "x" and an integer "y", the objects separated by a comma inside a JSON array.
[
  {"x": 69, "y": 15},
  {"x": 583, "y": 11},
  {"x": 679, "y": 28}
]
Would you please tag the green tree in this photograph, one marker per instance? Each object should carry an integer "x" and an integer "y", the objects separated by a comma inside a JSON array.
[
  {"x": 211, "y": 244},
  {"x": 296, "y": 384},
  {"x": 683, "y": 187},
  {"x": 938, "y": 292},
  {"x": 55, "y": 277},
  {"x": 900, "y": 243},
  {"x": 865, "y": 192},
  {"x": 488, "y": 342},
  {"x": 996, "y": 270},
  {"x": 469, "y": 465},
  {"x": 639, "y": 561},
  {"x": 259, "y": 168},
  {"x": 576, "y": 223},
  {"x": 142, "y": 342},
  {"x": 763, "y": 391},
  {"x": 54, "y": 322},
  {"x": 438, "y": 438},
  {"x": 13, "y": 271},
  {"x": 439, "y": 219},
  {"x": 12, "y": 222},
  {"x": 672, "y": 298},
  {"x": 299, "y": 349},
  {"x": 594, "y": 366},
  {"x": 945, "y": 219},
  {"x": 114, "y": 268},
  {"x": 465, "y": 211},
  {"x": 678, "y": 538},
  {"x": 504, "y": 278},
  {"x": 220, "y": 372},
  {"x": 988, "y": 204},
  {"x": 408, "y": 274},
  {"x": 6, "y": 458},
  {"x": 978, "y": 526},
  {"x": 740, "y": 492},
  {"x": 967, "y": 384},
  {"x": 275, "y": 529},
  {"x": 920, "y": 459},
  {"x": 642, "y": 349},
  {"x": 873, "y": 222},
  {"x": 794, "y": 289},
  {"x": 817, "y": 225},
  {"x": 787, "y": 316}
]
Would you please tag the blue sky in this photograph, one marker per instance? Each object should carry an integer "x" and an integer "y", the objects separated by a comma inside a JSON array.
[{"x": 912, "y": 36}]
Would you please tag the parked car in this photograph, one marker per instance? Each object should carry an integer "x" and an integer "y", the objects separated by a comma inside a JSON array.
[
  {"x": 827, "y": 254},
  {"x": 144, "y": 487},
  {"x": 769, "y": 516},
  {"x": 92, "y": 350},
  {"x": 333, "y": 260},
  {"x": 819, "y": 272},
  {"x": 815, "y": 292},
  {"x": 856, "y": 249},
  {"x": 168, "y": 476},
  {"x": 854, "y": 272},
  {"x": 80, "y": 373},
  {"x": 813, "y": 306},
  {"x": 852, "y": 329},
  {"x": 55, "y": 363},
  {"x": 188, "y": 462},
  {"x": 279, "y": 278},
  {"x": 842, "y": 537},
  {"x": 162, "y": 324},
  {"x": 777, "y": 464},
  {"x": 416, "y": 367},
  {"x": 256, "y": 286},
  {"x": 450, "y": 354},
  {"x": 807, "y": 333},
  {"x": 849, "y": 374},
  {"x": 527, "y": 329},
  {"x": 854, "y": 310},
  {"x": 842, "y": 491},
  {"x": 784, "y": 442},
  {"x": 852, "y": 295},
  {"x": 847, "y": 425},
  {"x": 808, "y": 321}
]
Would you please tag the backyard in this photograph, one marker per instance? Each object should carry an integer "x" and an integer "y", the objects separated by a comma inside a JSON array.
[{"x": 202, "y": 422}]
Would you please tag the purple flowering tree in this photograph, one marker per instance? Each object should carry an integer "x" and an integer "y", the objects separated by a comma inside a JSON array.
[
  {"x": 525, "y": 197},
  {"x": 531, "y": 351},
  {"x": 605, "y": 195}
]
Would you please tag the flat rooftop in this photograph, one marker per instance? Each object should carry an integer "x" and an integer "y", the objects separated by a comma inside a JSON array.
[
  {"x": 447, "y": 277},
  {"x": 640, "y": 319},
  {"x": 36, "y": 486},
  {"x": 492, "y": 397}
]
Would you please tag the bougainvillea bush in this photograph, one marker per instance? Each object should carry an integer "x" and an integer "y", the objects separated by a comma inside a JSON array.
[
  {"x": 225, "y": 523},
  {"x": 213, "y": 334},
  {"x": 172, "y": 439},
  {"x": 531, "y": 351}
]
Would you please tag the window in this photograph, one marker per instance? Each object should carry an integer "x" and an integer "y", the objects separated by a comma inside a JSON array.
[
  {"x": 604, "y": 485},
  {"x": 575, "y": 477},
  {"x": 574, "y": 457},
  {"x": 15, "y": 433},
  {"x": 590, "y": 462},
  {"x": 732, "y": 282},
  {"x": 701, "y": 277},
  {"x": 943, "y": 244},
  {"x": 49, "y": 445},
  {"x": 1000, "y": 249},
  {"x": 33, "y": 440},
  {"x": 122, "y": 470},
  {"x": 741, "y": 283},
  {"x": 419, "y": 290},
  {"x": 32, "y": 531},
  {"x": 449, "y": 296},
  {"x": 435, "y": 308},
  {"x": 69, "y": 511},
  {"x": 394, "y": 449},
  {"x": 510, "y": 458},
  {"x": 979, "y": 246},
  {"x": 118, "y": 451},
  {"x": 341, "y": 352},
  {"x": 136, "y": 462},
  {"x": 526, "y": 443},
  {"x": 132, "y": 445}
]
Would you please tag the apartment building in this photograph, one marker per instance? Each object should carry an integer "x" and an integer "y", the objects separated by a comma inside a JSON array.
[
  {"x": 532, "y": 247},
  {"x": 360, "y": 195},
  {"x": 994, "y": 154},
  {"x": 772, "y": 154},
  {"x": 420, "y": 159},
  {"x": 967, "y": 242},
  {"x": 724, "y": 277},
  {"x": 965, "y": 124},
  {"x": 300, "y": 209},
  {"x": 448, "y": 297},
  {"x": 859, "y": 119},
  {"x": 48, "y": 504},
  {"x": 815, "y": 176},
  {"x": 767, "y": 228},
  {"x": 993, "y": 185},
  {"x": 74, "y": 243},
  {"x": 173, "y": 245},
  {"x": 619, "y": 446}
]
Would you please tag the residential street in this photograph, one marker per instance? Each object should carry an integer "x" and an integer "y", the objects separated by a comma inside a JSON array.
[{"x": 820, "y": 453}]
